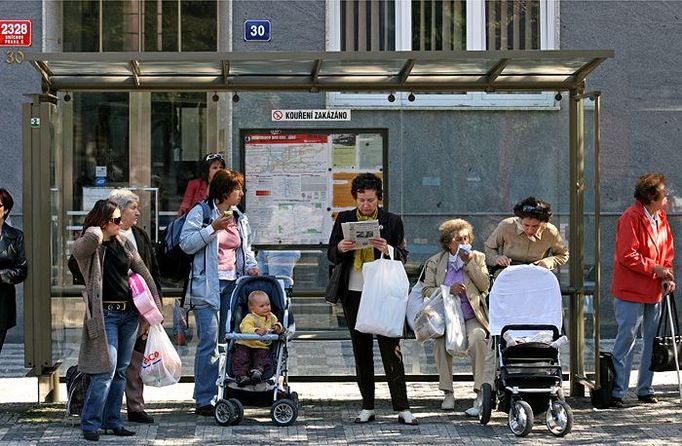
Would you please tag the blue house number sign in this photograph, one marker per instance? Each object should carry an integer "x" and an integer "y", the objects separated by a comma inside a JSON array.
[{"x": 257, "y": 30}]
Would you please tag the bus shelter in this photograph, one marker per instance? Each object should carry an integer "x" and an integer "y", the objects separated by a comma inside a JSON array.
[{"x": 46, "y": 190}]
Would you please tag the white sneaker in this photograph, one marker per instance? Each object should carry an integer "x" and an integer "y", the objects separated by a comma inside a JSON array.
[
  {"x": 406, "y": 417},
  {"x": 365, "y": 416},
  {"x": 448, "y": 401},
  {"x": 476, "y": 409}
]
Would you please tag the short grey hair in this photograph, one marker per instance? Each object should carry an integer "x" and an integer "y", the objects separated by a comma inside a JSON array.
[{"x": 123, "y": 198}]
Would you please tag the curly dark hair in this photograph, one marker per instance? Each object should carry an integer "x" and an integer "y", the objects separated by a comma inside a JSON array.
[
  {"x": 100, "y": 214},
  {"x": 224, "y": 183},
  {"x": 647, "y": 187},
  {"x": 367, "y": 181},
  {"x": 7, "y": 201},
  {"x": 532, "y": 208}
]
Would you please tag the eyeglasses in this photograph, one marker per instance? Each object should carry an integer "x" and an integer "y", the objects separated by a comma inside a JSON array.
[
  {"x": 214, "y": 156},
  {"x": 116, "y": 221},
  {"x": 529, "y": 208}
]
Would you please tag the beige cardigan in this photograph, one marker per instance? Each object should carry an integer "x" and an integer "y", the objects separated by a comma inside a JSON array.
[
  {"x": 87, "y": 249},
  {"x": 476, "y": 281}
]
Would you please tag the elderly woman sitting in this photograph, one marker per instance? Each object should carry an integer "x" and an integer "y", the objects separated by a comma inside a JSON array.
[{"x": 464, "y": 271}]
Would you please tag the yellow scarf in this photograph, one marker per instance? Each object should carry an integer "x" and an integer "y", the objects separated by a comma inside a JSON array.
[{"x": 365, "y": 254}]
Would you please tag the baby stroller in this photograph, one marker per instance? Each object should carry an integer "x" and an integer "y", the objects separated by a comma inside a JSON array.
[
  {"x": 525, "y": 324},
  {"x": 274, "y": 391}
]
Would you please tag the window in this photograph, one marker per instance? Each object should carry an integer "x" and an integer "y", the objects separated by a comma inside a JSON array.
[
  {"x": 442, "y": 25},
  {"x": 145, "y": 25}
]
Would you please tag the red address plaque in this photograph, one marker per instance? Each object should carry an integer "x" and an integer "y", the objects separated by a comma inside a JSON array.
[{"x": 15, "y": 33}]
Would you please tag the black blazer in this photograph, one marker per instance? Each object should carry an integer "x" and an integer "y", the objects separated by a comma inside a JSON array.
[
  {"x": 391, "y": 229},
  {"x": 12, "y": 271},
  {"x": 146, "y": 251}
]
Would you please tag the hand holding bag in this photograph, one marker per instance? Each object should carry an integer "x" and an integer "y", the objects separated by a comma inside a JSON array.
[
  {"x": 384, "y": 297},
  {"x": 161, "y": 365},
  {"x": 455, "y": 328},
  {"x": 668, "y": 339}
]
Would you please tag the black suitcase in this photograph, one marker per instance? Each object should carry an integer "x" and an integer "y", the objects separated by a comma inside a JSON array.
[{"x": 607, "y": 378}]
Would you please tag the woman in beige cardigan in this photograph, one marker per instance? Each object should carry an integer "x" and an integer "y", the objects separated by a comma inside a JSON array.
[
  {"x": 111, "y": 319},
  {"x": 464, "y": 271}
]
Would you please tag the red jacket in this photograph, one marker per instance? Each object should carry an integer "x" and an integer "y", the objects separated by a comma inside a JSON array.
[
  {"x": 196, "y": 191},
  {"x": 637, "y": 252}
]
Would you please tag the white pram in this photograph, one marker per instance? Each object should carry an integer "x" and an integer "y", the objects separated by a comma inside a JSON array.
[{"x": 525, "y": 325}]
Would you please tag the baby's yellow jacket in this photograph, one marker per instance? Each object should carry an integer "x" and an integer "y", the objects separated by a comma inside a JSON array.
[{"x": 251, "y": 322}]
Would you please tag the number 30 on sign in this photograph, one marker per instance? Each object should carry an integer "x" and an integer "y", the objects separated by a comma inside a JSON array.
[{"x": 257, "y": 30}]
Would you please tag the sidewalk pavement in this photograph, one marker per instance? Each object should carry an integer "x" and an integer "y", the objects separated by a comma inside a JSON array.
[{"x": 326, "y": 414}]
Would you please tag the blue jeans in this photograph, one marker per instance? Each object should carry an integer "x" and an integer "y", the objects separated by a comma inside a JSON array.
[
  {"x": 211, "y": 326},
  {"x": 630, "y": 316},
  {"x": 102, "y": 407}
]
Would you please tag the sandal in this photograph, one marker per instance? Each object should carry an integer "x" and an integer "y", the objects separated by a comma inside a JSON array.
[{"x": 365, "y": 416}]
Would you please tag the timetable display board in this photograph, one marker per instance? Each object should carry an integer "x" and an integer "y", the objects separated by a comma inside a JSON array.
[{"x": 296, "y": 181}]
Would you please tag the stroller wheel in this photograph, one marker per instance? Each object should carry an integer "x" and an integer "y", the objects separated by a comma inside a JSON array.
[
  {"x": 284, "y": 412},
  {"x": 487, "y": 403},
  {"x": 224, "y": 413},
  {"x": 238, "y": 408},
  {"x": 559, "y": 418},
  {"x": 520, "y": 418}
]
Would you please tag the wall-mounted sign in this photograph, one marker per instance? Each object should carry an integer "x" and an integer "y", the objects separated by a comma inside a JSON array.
[
  {"x": 311, "y": 115},
  {"x": 257, "y": 30},
  {"x": 15, "y": 33}
]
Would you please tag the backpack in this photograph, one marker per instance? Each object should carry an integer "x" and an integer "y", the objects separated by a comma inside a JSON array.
[
  {"x": 174, "y": 263},
  {"x": 607, "y": 377},
  {"x": 77, "y": 383}
]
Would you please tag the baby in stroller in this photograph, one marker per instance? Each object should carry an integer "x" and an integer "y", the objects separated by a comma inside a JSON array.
[
  {"x": 525, "y": 324},
  {"x": 253, "y": 359}
]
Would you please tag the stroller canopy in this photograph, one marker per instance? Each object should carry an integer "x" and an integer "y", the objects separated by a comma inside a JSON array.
[{"x": 525, "y": 294}]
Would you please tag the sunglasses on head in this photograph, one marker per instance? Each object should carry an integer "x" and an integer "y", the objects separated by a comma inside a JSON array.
[
  {"x": 529, "y": 208},
  {"x": 213, "y": 157},
  {"x": 116, "y": 221}
]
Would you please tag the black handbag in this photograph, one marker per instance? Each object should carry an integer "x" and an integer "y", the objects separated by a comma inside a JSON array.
[
  {"x": 663, "y": 354},
  {"x": 333, "y": 292}
]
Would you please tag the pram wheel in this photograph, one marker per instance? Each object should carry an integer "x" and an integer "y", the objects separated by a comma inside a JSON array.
[
  {"x": 284, "y": 412},
  {"x": 520, "y": 418},
  {"x": 224, "y": 413},
  {"x": 487, "y": 403},
  {"x": 559, "y": 418},
  {"x": 238, "y": 408}
]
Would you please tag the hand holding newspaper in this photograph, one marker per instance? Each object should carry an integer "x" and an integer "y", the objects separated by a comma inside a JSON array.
[{"x": 360, "y": 232}]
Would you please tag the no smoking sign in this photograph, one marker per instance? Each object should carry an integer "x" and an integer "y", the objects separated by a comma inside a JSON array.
[{"x": 277, "y": 115}]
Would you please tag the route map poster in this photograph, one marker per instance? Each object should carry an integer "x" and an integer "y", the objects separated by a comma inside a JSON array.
[{"x": 297, "y": 182}]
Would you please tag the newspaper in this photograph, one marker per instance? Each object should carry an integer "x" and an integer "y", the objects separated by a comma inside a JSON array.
[{"x": 360, "y": 232}]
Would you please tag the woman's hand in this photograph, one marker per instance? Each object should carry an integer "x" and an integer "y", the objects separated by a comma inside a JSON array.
[
  {"x": 503, "y": 261},
  {"x": 457, "y": 288},
  {"x": 662, "y": 272},
  {"x": 221, "y": 222},
  {"x": 668, "y": 286},
  {"x": 345, "y": 245},
  {"x": 465, "y": 255},
  {"x": 379, "y": 243},
  {"x": 253, "y": 271}
]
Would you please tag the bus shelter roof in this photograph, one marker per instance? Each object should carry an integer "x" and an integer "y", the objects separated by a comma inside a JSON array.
[{"x": 414, "y": 71}]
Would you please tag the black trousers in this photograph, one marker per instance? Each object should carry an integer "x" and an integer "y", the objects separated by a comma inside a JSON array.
[
  {"x": 3, "y": 333},
  {"x": 391, "y": 356}
]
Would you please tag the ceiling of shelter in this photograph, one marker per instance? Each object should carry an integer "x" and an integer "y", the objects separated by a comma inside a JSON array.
[{"x": 415, "y": 71}]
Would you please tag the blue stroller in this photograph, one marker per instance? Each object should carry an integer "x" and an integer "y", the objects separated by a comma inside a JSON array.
[{"x": 274, "y": 391}]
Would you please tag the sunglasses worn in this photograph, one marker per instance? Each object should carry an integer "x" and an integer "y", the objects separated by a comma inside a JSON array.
[
  {"x": 116, "y": 221},
  {"x": 213, "y": 157}
]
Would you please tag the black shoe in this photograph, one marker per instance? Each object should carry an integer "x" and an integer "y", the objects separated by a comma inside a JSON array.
[
  {"x": 204, "y": 411},
  {"x": 243, "y": 381},
  {"x": 140, "y": 417},
  {"x": 616, "y": 403},
  {"x": 91, "y": 435},
  {"x": 648, "y": 399},
  {"x": 119, "y": 432}
]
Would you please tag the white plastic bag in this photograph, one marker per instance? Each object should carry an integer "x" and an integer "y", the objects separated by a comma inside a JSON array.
[
  {"x": 455, "y": 328},
  {"x": 161, "y": 365},
  {"x": 415, "y": 301},
  {"x": 430, "y": 321},
  {"x": 384, "y": 297}
]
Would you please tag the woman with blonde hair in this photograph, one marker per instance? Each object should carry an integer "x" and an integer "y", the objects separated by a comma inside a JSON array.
[{"x": 463, "y": 270}]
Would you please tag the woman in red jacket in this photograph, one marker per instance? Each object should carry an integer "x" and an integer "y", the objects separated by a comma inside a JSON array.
[
  {"x": 197, "y": 189},
  {"x": 642, "y": 269}
]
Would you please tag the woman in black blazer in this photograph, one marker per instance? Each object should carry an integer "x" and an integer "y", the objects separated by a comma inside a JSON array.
[
  {"x": 367, "y": 192},
  {"x": 12, "y": 266}
]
